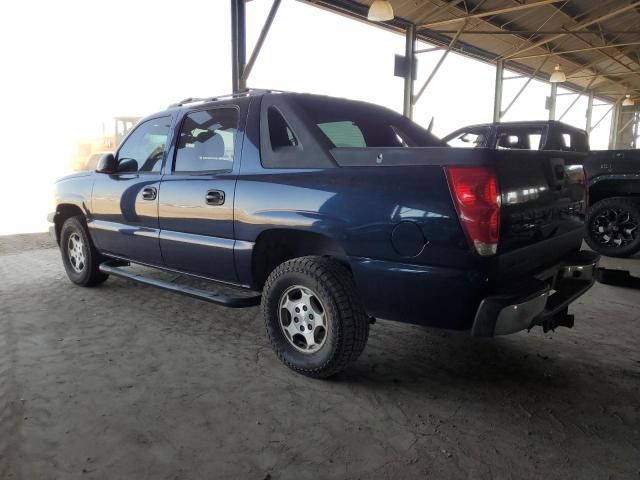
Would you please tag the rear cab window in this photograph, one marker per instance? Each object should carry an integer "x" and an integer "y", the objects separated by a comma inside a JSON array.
[
  {"x": 343, "y": 134},
  {"x": 349, "y": 124}
]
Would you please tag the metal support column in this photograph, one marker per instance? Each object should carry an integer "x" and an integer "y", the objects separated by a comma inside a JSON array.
[
  {"x": 410, "y": 59},
  {"x": 635, "y": 130},
  {"x": 589, "y": 112},
  {"x": 620, "y": 131},
  {"x": 552, "y": 101},
  {"x": 238, "y": 44},
  {"x": 497, "y": 98},
  {"x": 615, "y": 122}
]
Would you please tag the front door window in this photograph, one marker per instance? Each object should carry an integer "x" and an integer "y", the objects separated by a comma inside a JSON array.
[{"x": 146, "y": 146}]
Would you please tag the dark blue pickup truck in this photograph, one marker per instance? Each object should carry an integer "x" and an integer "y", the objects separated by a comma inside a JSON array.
[{"x": 331, "y": 213}]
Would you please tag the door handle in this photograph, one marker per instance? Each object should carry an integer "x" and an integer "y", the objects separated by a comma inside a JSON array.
[
  {"x": 214, "y": 197},
  {"x": 149, "y": 193}
]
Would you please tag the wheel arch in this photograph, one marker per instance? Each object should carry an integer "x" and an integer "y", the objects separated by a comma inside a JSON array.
[
  {"x": 275, "y": 246},
  {"x": 65, "y": 211},
  {"x": 613, "y": 187}
]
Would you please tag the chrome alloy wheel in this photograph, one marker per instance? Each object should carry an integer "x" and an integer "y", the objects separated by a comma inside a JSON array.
[
  {"x": 615, "y": 227},
  {"x": 303, "y": 319},
  {"x": 76, "y": 252}
]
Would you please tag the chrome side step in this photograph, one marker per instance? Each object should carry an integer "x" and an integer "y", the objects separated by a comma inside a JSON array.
[{"x": 114, "y": 267}]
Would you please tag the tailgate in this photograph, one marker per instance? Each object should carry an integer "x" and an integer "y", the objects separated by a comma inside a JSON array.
[{"x": 543, "y": 203}]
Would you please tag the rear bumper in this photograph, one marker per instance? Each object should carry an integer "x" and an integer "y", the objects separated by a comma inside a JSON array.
[
  {"x": 422, "y": 295},
  {"x": 542, "y": 300}
]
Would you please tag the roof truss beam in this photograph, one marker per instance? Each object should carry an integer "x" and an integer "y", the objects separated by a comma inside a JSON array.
[
  {"x": 439, "y": 64},
  {"x": 537, "y": 32},
  {"x": 580, "y": 26},
  {"x": 575, "y": 100},
  {"x": 577, "y": 50},
  {"x": 523, "y": 88},
  {"x": 489, "y": 13}
]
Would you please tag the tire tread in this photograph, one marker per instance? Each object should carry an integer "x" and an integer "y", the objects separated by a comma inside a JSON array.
[
  {"x": 355, "y": 323},
  {"x": 632, "y": 204},
  {"x": 95, "y": 276}
]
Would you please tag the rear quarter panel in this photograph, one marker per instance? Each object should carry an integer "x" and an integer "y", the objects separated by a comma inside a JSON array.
[{"x": 358, "y": 207}]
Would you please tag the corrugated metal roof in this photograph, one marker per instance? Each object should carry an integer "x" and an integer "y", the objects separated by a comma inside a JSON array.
[{"x": 596, "y": 42}]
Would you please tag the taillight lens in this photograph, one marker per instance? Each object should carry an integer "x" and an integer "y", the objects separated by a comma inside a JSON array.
[{"x": 477, "y": 198}]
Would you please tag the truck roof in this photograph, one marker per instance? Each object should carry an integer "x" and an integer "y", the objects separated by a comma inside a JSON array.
[
  {"x": 192, "y": 101},
  {"x": 525, "y": 123},
  {"x": 197, "y": 102},
  {"x": 245, "y": 93}
]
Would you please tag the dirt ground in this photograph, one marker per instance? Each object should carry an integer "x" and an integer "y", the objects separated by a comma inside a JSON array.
[{"x": 127, "y": 381}]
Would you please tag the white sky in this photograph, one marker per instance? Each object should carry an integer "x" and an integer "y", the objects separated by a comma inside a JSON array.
[{"x": 70, "y": 66}]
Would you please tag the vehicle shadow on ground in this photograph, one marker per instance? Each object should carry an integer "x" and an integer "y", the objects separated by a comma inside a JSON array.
[
  {"x": 618, "y": 278},
  {"x": 418, "y": 363},
  {"x": 445, "y": 362}
]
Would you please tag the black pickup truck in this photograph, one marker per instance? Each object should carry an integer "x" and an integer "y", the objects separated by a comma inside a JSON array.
[
  {"x": 330, "y": 213},
  {"x": 613, "y": 218}
]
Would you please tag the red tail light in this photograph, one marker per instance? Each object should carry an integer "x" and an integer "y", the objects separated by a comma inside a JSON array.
[{"x": 477, "y": 199}]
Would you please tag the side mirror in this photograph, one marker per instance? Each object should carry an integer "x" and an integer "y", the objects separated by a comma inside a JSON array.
[
  {"x": 127, "y": 165},
  {"x": 107, "y": 164}
]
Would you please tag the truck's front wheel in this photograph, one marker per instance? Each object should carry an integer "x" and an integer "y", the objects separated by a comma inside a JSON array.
[
  {"x": 613, "y": 227},
  {"x": 80, "y": 258},
  {"x": 314, "y": 320}
]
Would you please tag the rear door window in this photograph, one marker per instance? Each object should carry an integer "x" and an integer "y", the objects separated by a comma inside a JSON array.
[
  {"x": 207, "y": 141},
  {"x": 518, "y": 139},
  {"x": 535, "y": 141}
]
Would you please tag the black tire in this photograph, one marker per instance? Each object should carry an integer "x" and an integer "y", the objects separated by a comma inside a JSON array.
[
  {"x": 89, "y": 275},
  {"x": 613, "y": 227},
  {"x": 347, "y": 323}
]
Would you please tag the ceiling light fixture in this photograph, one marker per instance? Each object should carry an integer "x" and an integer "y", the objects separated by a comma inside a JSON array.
[
  {"x": 627, "y": 102},
  {"x": 380, "y": 11},
  {"x": 558, "y": 75}
]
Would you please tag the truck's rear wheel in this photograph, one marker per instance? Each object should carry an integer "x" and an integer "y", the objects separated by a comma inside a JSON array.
[
  {"x": 314, "y": 320},
  {"x": 613, "y": 227},
  {"x": 80, "y": 258}
]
